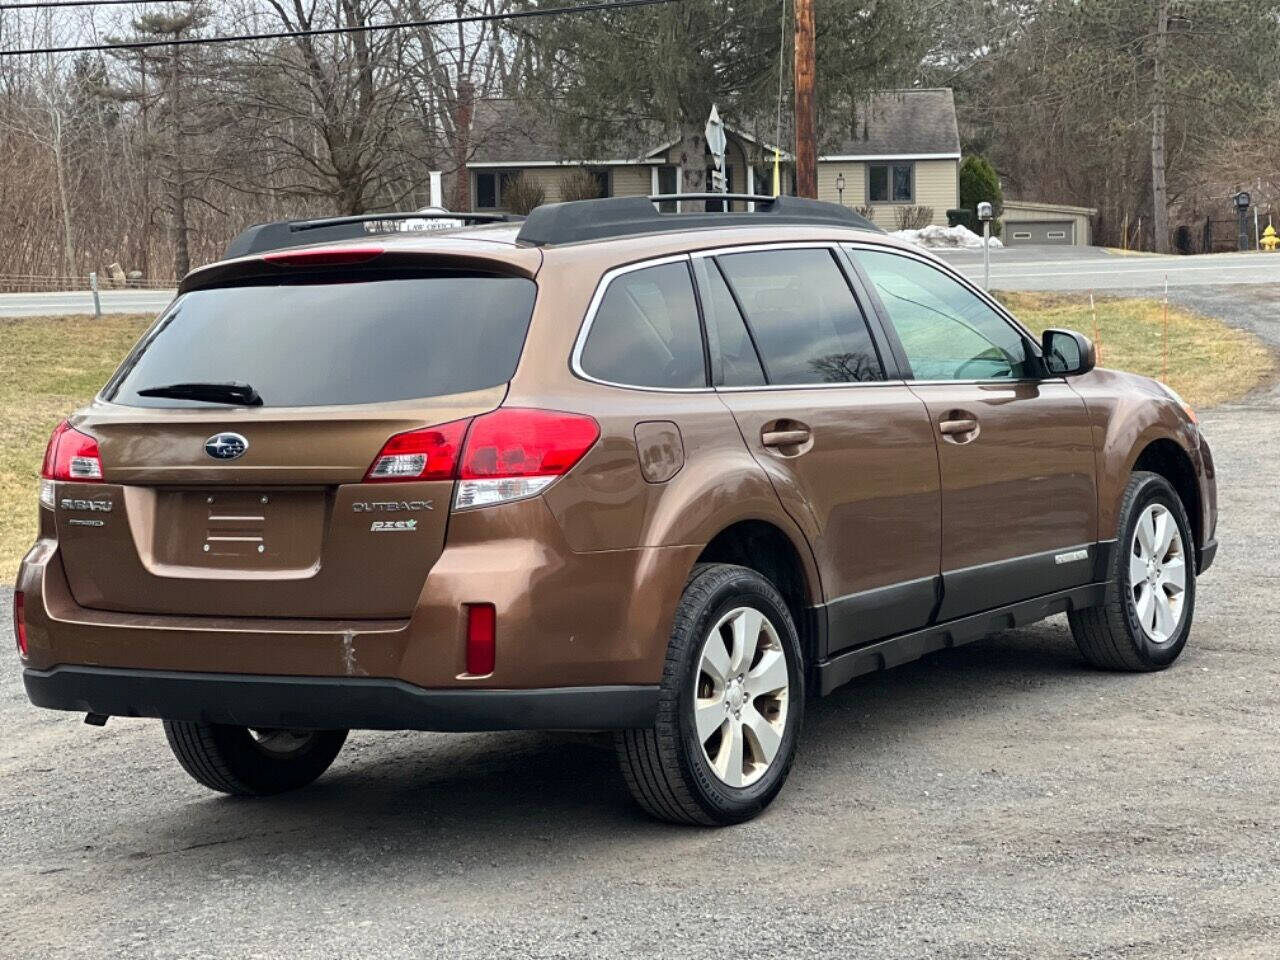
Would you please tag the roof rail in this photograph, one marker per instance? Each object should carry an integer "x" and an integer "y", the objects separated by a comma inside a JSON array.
[
  {"x": 294, "y": 233},
  {"x": 579, "y": 220}
]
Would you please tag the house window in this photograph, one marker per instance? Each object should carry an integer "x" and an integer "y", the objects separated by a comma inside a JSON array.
[
  {"x": 891, "y": 183},
  {"x": 488, "y": 195},
  {"x": 668, "y": 182},
  {"x": 604, "y": 182}
]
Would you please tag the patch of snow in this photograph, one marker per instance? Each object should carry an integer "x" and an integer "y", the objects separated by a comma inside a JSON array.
[{"x": 935, "y": 237}]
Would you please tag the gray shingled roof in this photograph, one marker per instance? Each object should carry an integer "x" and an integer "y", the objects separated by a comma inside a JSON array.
[
  {"x": 891, "y": 123},
  {"x": 898, "y": 123},
  {"x": 507, "y": 131}
]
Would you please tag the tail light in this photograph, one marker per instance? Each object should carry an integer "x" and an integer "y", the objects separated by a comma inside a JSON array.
[
  {"x": 509, "y": 454},
  {"x": 481, "y": 639},
  {"x": 514, "y": 453},
  {"x": 20, "y": 622},
  {"x": 71, "y": 455},
  {"x": 430, "y": 454}
]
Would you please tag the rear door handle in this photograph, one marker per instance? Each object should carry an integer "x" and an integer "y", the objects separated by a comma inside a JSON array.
[
  {"x": 953, "y": 428},
  {"x": 785, "y": 438}
]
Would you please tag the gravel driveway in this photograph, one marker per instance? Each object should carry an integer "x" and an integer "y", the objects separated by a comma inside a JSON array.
[{"x": 1000, "y": 800}]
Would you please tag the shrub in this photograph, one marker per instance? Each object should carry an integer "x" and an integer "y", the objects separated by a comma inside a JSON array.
[
  {"x": 961, "y": 218},
  {"x": 521, "y": 194},
  {"x": 579, "y": 184},
  {"x": 867, "y": 211},
  {"x": 978, "y": 182},
  {"x": 912, "y": 218}
]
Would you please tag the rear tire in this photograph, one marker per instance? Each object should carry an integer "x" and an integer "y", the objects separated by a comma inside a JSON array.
[
  {"x": 248, "y": 763},
  {"x": 730, "y": 706},
  {"x": 1145, "y": 619}
]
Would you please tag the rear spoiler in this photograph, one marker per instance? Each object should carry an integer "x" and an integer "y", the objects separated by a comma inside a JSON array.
[{"x": 296, "y": 233}]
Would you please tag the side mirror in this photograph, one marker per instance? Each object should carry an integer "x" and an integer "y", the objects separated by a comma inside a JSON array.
[{"x": 1067, "y": 353}]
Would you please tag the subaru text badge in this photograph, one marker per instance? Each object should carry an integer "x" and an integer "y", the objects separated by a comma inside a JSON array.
[{"x": 226, "y": 446}]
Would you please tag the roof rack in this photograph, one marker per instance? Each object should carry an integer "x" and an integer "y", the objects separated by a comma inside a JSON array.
[
  {"x": 579, "y": 220},
  {"x": 295, "y": 233}
]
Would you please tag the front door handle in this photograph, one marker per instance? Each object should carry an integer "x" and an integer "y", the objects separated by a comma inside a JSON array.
[{"x": 785, "y": 438}]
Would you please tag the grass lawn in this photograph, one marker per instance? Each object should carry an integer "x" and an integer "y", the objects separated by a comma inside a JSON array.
[
  {"x": 1209, "y": 363},
  {"x": 48, "y": 367}
]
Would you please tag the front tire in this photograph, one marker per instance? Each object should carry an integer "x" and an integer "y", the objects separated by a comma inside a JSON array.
[
  {"x": 252, "y": 763},
  {"x": 730, "y": 707},
  {"x": 1144, "y": 622}
]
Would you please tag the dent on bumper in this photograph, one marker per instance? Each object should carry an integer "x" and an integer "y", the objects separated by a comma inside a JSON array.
[{"x": 326, "y": 703}]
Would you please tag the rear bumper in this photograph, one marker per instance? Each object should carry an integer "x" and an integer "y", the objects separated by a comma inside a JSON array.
[{"x": 327, "y": 703}]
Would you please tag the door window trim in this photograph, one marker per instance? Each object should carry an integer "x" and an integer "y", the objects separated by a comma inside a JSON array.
[
  {"x": 575, "y": 359},
  {"x": 946, "y": 270}
]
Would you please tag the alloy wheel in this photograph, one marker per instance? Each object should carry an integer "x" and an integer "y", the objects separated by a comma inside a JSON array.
[
  {"x": 741, "y": 694},
  {"x": 1158, "y": 573}
]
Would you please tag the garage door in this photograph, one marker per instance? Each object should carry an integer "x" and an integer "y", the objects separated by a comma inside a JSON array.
[{"x": 1039, "y": 231}]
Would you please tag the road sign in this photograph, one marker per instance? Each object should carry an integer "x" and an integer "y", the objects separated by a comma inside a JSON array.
[{"x": 716, "y": 143}]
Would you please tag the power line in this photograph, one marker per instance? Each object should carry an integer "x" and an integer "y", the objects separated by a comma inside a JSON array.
[
  {"x": 331, "y": 31},
  {"x": 47, "y": 5}
]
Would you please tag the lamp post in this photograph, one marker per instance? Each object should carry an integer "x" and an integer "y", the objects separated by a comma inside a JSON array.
[{"x": 840, "y": 187}]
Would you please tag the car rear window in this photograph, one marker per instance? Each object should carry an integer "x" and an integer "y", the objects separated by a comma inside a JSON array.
[{"x": 314, "y": 344}]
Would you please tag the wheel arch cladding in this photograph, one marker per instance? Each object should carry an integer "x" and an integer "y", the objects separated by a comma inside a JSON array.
[
  {"x": 1166, "y": 458},
  {"x": 766, "y": 549}
]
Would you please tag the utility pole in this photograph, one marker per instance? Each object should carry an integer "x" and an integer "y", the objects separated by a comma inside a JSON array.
[
  {"x": 806, "y": 105},
  {"x": 1159, "y": 191}
]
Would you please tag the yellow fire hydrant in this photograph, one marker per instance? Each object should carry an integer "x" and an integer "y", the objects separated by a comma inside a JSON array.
[{"x": 1269, "y": 238}]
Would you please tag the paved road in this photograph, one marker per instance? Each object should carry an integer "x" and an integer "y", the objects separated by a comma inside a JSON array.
[
  {"x": 1089, "y": 268},
  {"x": 996, "y": 801},
  {"x": 1016, "y": 268},
  {"x": 64, "y": 304}
]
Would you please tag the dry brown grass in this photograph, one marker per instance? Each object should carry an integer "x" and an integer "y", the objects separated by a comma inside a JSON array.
[{"x": 1209, "y": 363}]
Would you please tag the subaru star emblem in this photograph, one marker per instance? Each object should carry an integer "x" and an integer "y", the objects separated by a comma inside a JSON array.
[{"x": 226, "y": 446}]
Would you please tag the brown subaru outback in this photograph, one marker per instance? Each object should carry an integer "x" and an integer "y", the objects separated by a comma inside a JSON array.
[{"x": 665, "y": 474}]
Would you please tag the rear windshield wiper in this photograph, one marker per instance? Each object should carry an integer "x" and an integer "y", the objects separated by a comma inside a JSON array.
[{"x": 238, "y": 394}]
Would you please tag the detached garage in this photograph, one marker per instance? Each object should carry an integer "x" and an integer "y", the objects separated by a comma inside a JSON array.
[{"x": 1046, "y": 223}]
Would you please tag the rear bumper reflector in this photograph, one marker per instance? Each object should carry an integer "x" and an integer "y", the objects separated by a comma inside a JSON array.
[{"x": 481, "y": 639}]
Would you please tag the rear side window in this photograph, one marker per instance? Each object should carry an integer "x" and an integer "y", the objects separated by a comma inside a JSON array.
[
  {"x": 645, "y": 332},
  {"x": 803, "y": 316},
  {"x": 726, "y": 331},
  {"x": 313, "y": 344}
]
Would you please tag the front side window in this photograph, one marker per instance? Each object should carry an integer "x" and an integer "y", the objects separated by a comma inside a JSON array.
[
  {"x": 891, "y": 183},
  {"x": 645, "y": 332},
  {"x": 803, "y": 317},
  {"x": 947, "y": 331}
]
